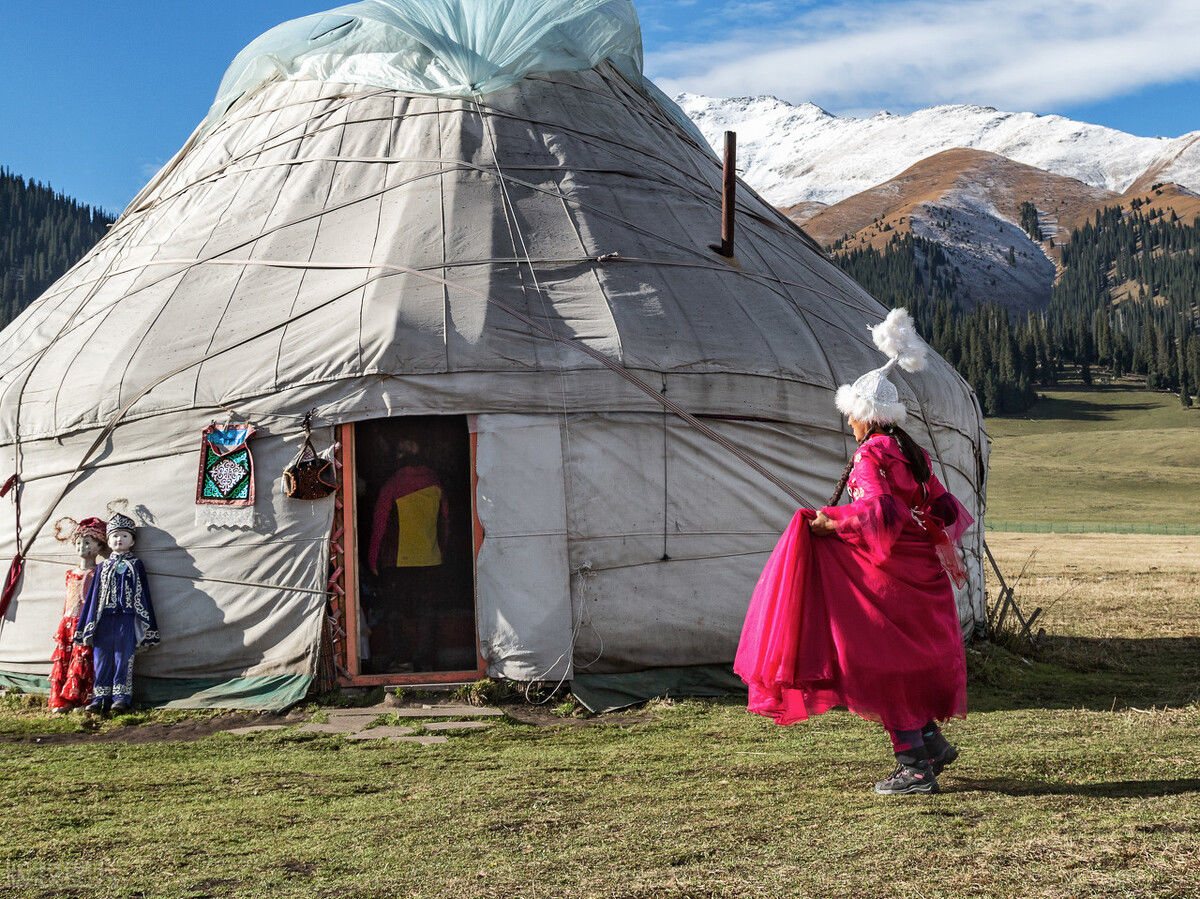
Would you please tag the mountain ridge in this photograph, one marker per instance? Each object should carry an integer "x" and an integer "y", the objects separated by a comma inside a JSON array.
[
  {"x": 801, "y": 153},
  {"x": 969, "y": 202}
]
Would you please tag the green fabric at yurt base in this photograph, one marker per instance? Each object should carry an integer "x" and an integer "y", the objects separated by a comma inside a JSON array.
[
  {"x": 607, "y": 692},
  {"x": 268, "y": 692}
]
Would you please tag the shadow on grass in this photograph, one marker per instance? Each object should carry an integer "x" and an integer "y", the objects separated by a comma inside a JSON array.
[
  {"x": 1087, "y": 672},
  {"x": 1120, "y": 789},
  {"x": 1070, "y": 409}
]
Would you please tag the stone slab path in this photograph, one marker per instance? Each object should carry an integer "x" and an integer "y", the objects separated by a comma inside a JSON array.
[
  {"x": 445, "y": 711},
  {"x": 330, "y": 727},
  {"x": 257, "y": 728},
  {"x": 381, "y": 733},
  {"x": 458, "y": 725},
  {"x": 353, "y": 723}
]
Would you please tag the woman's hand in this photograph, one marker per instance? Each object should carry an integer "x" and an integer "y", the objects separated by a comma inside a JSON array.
[{"x": 822, "y": 525}]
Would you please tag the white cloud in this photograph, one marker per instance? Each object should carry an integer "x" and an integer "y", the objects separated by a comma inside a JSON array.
[
  {"x": 149, "y": 169},
  {"x": 903, "y": 54}
]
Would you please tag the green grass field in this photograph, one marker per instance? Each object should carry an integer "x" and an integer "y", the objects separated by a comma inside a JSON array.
[
  {"x": 1115, "y": 455},
  {"x": 1080, "y": 773},
  {"x": 1080, "y": 776}
]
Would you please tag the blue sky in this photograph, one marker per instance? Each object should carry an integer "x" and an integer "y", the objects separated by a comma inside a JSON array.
[{"x": 99, "y": 95}]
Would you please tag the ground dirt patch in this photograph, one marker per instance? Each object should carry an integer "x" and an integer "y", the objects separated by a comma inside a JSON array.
[{"x": 182, "y": 729}]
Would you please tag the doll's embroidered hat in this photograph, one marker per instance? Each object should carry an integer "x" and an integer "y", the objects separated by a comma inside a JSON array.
[
  {"x": 119, "y": 522},
  {"x": 66, "y": 529},
  {"x": 873, "y": 398},
  {"x": 91, "y": 527}
]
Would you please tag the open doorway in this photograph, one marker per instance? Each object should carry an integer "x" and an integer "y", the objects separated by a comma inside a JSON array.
[{"x": 414, "y": 553}]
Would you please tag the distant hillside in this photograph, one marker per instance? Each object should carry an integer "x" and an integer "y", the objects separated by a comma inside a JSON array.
[
  {"x": 970, "y": 202},
  {"x": 1177, "y": 164},
  {"x": 42, "y": 234},
  {"x": 1126, "y": 300}
]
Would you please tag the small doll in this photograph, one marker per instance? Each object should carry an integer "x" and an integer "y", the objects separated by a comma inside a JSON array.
[
  {"x": 117, "y": 619},
  {"x": 71, "y": 676}
]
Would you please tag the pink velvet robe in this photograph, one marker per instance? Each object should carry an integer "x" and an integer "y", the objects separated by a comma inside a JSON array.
[{"x": 866, "y": 618}]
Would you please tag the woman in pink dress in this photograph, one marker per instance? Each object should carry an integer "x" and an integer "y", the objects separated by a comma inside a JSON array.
[{"x": 855, "y": 607}]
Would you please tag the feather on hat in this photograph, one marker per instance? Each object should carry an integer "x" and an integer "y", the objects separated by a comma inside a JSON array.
[{"x": 873, "y": 398}]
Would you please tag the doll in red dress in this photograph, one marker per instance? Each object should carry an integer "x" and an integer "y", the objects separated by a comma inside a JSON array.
[{"x": 71, "y": 674}]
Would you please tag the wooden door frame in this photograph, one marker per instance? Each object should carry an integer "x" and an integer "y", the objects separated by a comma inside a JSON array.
[{"x": 350, "y": 665}]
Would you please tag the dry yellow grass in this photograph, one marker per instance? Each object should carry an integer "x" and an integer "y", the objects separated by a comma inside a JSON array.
[
  {"x": 1105, "y": 585},
  {"x": 1122, "y": 624}
]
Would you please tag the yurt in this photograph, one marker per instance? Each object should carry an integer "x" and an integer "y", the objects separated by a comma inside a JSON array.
[{"x": 454, "y": 259}]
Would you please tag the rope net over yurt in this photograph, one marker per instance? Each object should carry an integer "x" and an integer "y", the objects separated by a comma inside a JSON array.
[{"x": 483, "y": 209}]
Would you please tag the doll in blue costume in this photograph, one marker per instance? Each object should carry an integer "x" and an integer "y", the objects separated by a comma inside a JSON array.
[{"x": 117, "y": 619}]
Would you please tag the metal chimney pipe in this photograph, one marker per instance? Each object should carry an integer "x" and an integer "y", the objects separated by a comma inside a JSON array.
[{"x": 728, "y": 194}]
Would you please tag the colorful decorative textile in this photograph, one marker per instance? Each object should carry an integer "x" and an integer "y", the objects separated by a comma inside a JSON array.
[
  {"x": 120, "y": 522},
  {"x": 865, "y": 618},
  {"x": 225, "y": 485},
  {"x": 115, "y": 639},
  {"x": 119, "y": 587},
  {"x": 71, "y": 672}
]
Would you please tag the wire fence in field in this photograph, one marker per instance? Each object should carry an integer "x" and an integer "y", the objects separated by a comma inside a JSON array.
[{"x": 1090, "y": 527}]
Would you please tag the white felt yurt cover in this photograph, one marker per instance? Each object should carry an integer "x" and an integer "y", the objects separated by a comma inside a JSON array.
[{"x": 401, "y": 208}]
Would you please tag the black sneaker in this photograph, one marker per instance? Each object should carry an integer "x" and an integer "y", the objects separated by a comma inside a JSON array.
[
  {"x": 944, "y": 758},
  {"x": 918, "y": 778}
]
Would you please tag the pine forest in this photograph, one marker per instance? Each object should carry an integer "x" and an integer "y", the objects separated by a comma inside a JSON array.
[
  {"x": 1125, "y": 302},
  {"x": 42, "y": 234}
]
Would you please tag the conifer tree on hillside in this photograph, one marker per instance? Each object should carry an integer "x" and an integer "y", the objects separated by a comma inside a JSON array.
[
  {"x": 42, "y": 234},
  {"x": 1153, "y": 263},
  {"x": 1029, "y": 221},
  {"x": 1127, "y": 300},
  {"x": 981, "y": 342},
  {"x": 1193, "y": 357}
]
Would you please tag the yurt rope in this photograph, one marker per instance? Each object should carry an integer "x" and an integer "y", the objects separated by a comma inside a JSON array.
[
  {"x": 206, "y": 579},
  {"x": 529, "y": 322}
]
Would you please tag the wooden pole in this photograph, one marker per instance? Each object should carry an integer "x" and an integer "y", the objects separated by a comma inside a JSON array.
[{"x": 728, "y": 194}]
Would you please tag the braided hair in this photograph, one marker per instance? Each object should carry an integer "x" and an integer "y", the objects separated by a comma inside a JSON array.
[{"x": 917, "y": 460}]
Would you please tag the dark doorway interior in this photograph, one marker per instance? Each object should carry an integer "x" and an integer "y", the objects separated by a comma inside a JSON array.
[{"x": 415, "y": 561}]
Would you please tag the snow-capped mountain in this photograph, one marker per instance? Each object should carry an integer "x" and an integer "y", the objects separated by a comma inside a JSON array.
[{"x": 800, "y": 153}]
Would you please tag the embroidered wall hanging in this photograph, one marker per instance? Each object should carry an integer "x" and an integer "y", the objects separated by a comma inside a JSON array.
[{"x": 225, "y": 485}]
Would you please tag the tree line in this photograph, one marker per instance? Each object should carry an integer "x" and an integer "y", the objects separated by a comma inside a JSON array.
[
  {"x": 1001, "y": 359},
  {"x": 42, "y": 234},
  {"x": 1127, "y": 298},
  {"x": 1126, "y": 301}
]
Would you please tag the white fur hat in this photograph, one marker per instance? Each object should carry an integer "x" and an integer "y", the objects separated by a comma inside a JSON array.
[{"x": 873, "y": 398}]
